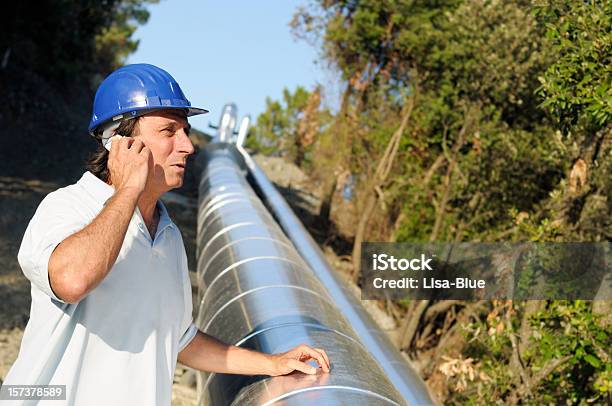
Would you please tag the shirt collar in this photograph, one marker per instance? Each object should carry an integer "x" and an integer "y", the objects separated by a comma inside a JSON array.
[
  {"x": 100, "y": 190},
  {"x": 164, "y": 221},
  {"x": 164, "y": 218}
]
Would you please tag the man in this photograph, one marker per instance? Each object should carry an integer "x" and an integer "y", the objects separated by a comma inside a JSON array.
[{"x": 111, "y": 297}]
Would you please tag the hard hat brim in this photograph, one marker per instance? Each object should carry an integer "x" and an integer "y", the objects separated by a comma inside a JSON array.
[{"x": 194, "y": 111}]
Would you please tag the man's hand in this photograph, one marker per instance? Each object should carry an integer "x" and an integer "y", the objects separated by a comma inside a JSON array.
[
  {"x": 206, "y": 353},
  {"x": 296, "y": 360},
  {"x": 128, "y": 163}
]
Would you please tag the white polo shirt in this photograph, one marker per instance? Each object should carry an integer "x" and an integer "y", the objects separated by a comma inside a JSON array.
[{"x": 119, "y": 344}]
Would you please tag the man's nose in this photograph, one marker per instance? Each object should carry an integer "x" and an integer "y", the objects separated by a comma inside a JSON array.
[{"x": 185, "y": 144}]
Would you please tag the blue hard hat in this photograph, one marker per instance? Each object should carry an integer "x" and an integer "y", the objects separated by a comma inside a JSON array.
[{"x": 134, "y": 90}]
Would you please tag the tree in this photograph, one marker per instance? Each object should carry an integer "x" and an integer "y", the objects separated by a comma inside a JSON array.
[
  {"x": 68, "y": 40},
  {"x": 509, "y": 139},
  {"x": 289, "y": 127}
]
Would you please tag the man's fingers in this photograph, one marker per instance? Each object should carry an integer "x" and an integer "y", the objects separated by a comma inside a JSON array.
[
  {"x": 324, "y": 354},
  {"x": 136, "y": 145},
  {"x": 314, "y": 354},
  {"x": 301, "y": 366},
  {"x": 123, "y": 141}
]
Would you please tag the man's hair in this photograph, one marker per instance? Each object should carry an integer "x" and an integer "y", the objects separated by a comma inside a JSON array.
[{"x": 97, "y": 162}]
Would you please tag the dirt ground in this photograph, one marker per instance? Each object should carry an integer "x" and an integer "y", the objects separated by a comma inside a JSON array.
[{"x": 19, "y": 198}]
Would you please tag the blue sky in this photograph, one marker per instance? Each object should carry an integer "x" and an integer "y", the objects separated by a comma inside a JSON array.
[{"x": 222, "y": 51}]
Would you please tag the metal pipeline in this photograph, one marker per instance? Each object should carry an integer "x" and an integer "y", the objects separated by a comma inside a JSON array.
[{"x": 260, "y": 289}]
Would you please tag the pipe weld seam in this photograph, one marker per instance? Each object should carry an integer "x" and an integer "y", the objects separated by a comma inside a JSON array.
[
  {"x": 246, "y": 261},
  {"x": 248, "y": 292},
  {"x": 216, "y": 254}
]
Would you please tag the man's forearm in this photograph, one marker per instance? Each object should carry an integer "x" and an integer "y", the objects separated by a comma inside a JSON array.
[
  {"x": 82, "y": 260},
  {"x": 206, "y": 353}
]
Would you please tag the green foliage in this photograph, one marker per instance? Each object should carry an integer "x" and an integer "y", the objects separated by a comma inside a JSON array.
[
  {"x": 68, "y": 40},
  {"x": 562, "y": 330},
  {"x": 53, "y": 55},
  {"x": 577, "y": 88},
  {"x": 276, "y": 130},
  {"x": 466, "y": 58},
  {"x": 113, "y": 43},
  {"x": 509, "y": 139},
  {"x": 276, "y": 127},
  {"x": 463, "y": 57}
]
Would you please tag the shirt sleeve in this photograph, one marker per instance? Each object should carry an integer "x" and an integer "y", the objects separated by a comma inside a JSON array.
[
  {"x": 189, "y": 328},
  {"x": 55, "y": 220},
  {"x": 187, "y": 337}
]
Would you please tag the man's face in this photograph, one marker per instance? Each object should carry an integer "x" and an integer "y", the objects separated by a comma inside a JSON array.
[{"x": 165, "y": 133}]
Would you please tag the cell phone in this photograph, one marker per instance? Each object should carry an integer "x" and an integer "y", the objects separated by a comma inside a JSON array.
[{"x": 110, "y": 141}]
